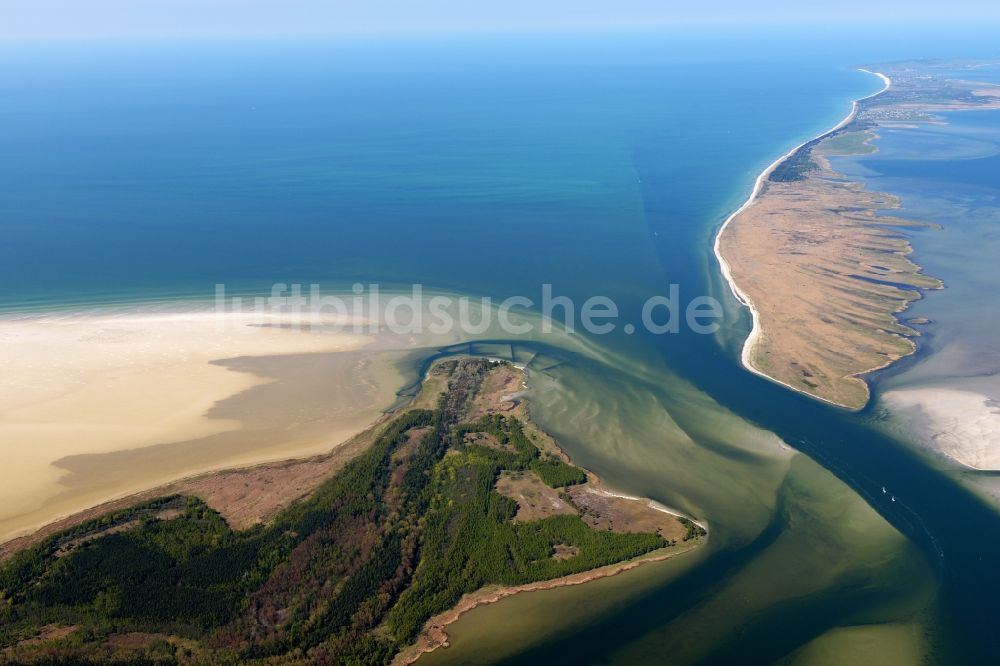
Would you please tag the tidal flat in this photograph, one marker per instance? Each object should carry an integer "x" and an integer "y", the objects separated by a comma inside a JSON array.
[
  {"x": 944, "y": 399},
  {"x": 99, "y": 405}
]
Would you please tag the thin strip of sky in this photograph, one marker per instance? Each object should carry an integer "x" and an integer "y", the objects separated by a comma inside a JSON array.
[{"x": 99, "y": 19}]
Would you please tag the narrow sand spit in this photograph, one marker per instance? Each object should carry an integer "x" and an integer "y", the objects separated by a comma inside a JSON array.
[{"x": 758, "y": 186}]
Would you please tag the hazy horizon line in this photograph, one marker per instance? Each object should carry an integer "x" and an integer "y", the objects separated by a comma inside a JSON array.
[{"x": 730, "y": 27}]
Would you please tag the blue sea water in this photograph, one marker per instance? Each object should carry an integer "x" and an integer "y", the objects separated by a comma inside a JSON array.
[
  {"x": 602, "y": 164},
  {"x": 129, "y": 173}
]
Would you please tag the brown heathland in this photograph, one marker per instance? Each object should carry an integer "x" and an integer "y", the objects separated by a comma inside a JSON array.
[
  {"x": 827, "y": 276},
  {"x": 825, "y": 273}
]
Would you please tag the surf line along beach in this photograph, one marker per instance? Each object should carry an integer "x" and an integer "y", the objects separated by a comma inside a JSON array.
[{"x": 758, "y": 186}]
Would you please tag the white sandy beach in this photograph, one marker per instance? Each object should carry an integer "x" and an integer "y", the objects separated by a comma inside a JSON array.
[
  {"x": 652, "y": 504},
  {"x": 104, "y": 384},
  {"x": 758, "y": 186}
]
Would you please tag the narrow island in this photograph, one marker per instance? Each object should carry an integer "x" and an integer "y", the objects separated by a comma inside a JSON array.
[
  {"x": 360, "y": 556},
  {"x": 825, "y": 276}
]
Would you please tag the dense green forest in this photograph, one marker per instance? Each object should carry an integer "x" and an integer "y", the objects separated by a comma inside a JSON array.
[
  {"x": 797, "y": 166},
  {"x": 347, "y": 575}
]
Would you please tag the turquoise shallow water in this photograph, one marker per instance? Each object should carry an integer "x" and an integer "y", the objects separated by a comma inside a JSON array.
[{"x": 600, "y": 164}]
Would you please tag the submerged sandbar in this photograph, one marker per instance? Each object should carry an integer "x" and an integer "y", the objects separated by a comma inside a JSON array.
[{"x": 98, "y": 405}]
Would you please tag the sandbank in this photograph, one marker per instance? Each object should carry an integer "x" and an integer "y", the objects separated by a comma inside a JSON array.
[
  {"x": 99, "y": 405},
  {"x": 959, "y": 424}
]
